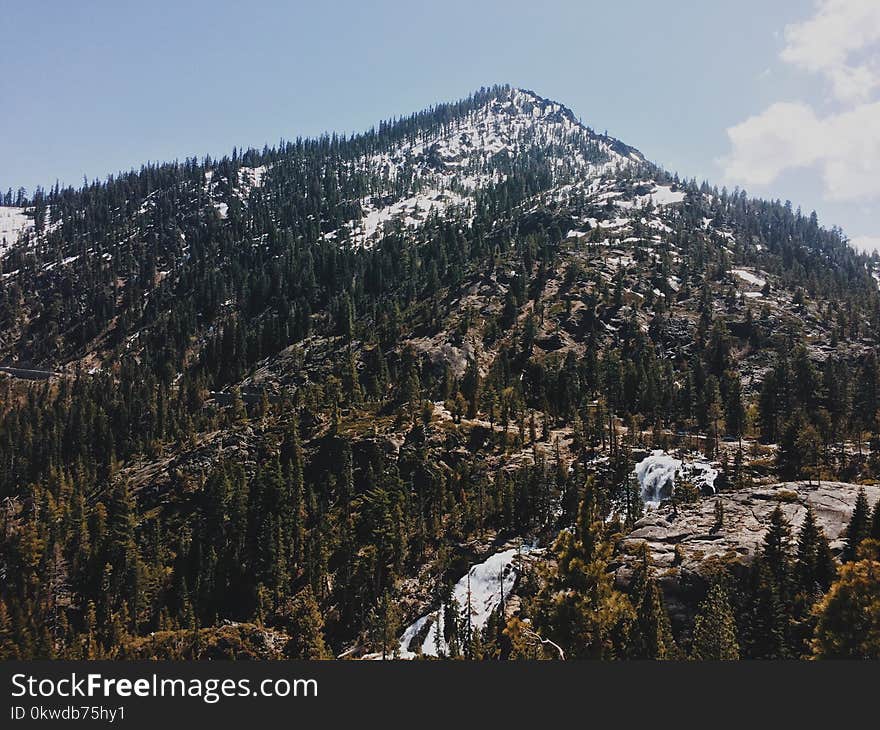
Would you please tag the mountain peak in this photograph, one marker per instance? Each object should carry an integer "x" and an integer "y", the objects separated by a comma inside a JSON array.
[
  {"x": 532, "y": 103},
  {"x": 475, "y": 150}
]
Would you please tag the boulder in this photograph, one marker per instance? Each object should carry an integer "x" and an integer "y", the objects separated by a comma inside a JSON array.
[{"x": 687, "y": 546}]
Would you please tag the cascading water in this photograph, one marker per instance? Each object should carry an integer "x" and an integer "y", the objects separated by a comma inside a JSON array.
[
  {"x": 487, "y": 580},
  {"x": 657, "y": 474}
]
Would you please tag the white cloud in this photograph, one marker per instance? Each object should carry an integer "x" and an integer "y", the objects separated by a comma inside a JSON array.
[
  {"x": 845, "y": 147},
  {"x": 840, "y": 42},
  {"x": 765, "y": 145}
]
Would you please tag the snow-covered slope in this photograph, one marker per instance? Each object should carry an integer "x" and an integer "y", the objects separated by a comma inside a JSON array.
[
  {"x": 13, "y": 221},
  {"x": 446, "y": 167},
  {"x": 249, "y": 178}
]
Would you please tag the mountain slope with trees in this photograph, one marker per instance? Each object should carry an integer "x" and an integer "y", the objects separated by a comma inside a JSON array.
[{"x": 276, "y": 404}]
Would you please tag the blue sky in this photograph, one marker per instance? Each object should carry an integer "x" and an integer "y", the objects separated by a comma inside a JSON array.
[{"x": 736, "y": 93}]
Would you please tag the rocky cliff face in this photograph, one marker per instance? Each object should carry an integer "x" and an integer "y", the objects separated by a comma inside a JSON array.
[{"x": 688, "y": 546}]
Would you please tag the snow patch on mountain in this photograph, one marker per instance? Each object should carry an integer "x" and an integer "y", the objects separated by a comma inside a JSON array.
[
  {"x": 13, "y": 222},
  {"x": 660, "y": 196},
  {"x": 409, "y": 212},
  {"x": 749, "y": 277},
  {"x": 251, "y": 177},
  {"x": 621, "y": 207},
  {"x": 455, "y": 161}
]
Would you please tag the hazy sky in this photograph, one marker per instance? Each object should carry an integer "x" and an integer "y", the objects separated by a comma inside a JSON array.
[{"x": 782, "y": 98}]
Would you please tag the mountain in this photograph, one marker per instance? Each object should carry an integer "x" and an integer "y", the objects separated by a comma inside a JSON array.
[{"x": 289, "y": 396}]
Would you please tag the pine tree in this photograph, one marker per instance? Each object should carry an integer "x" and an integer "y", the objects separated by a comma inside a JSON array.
[
  {"x": 384, "y": 626},
  {"x": 714, "y": 636},
  {"x": 734, "y": 410},
  {"x": 293, "y": 464},
  {"x": 470, "y": 387},
  {"x": 775, "y": 551},
  {"x": 814, "y": 567},
  {"x": 848, "y": 617},
  {"x": 305, "y": 624},
  {"x": 765, "y": 632},
  {"x": 579, "y": 608},
  {"x": 858, "y": 527},
  {"x": 8, "y": 649},
  {"x": 793, "y": 454},
  {"x": 719, "y": 515},
  {"x": 651, "y": 636},
  {"x": 122, "y": 553},
  {"x": 90, "y": 649},
  {"x": 350, "y": 378},
  {"x": 524, "y": 643}
]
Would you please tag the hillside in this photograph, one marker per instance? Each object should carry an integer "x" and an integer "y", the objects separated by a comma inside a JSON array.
[{"x": 291, "y": 396}]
